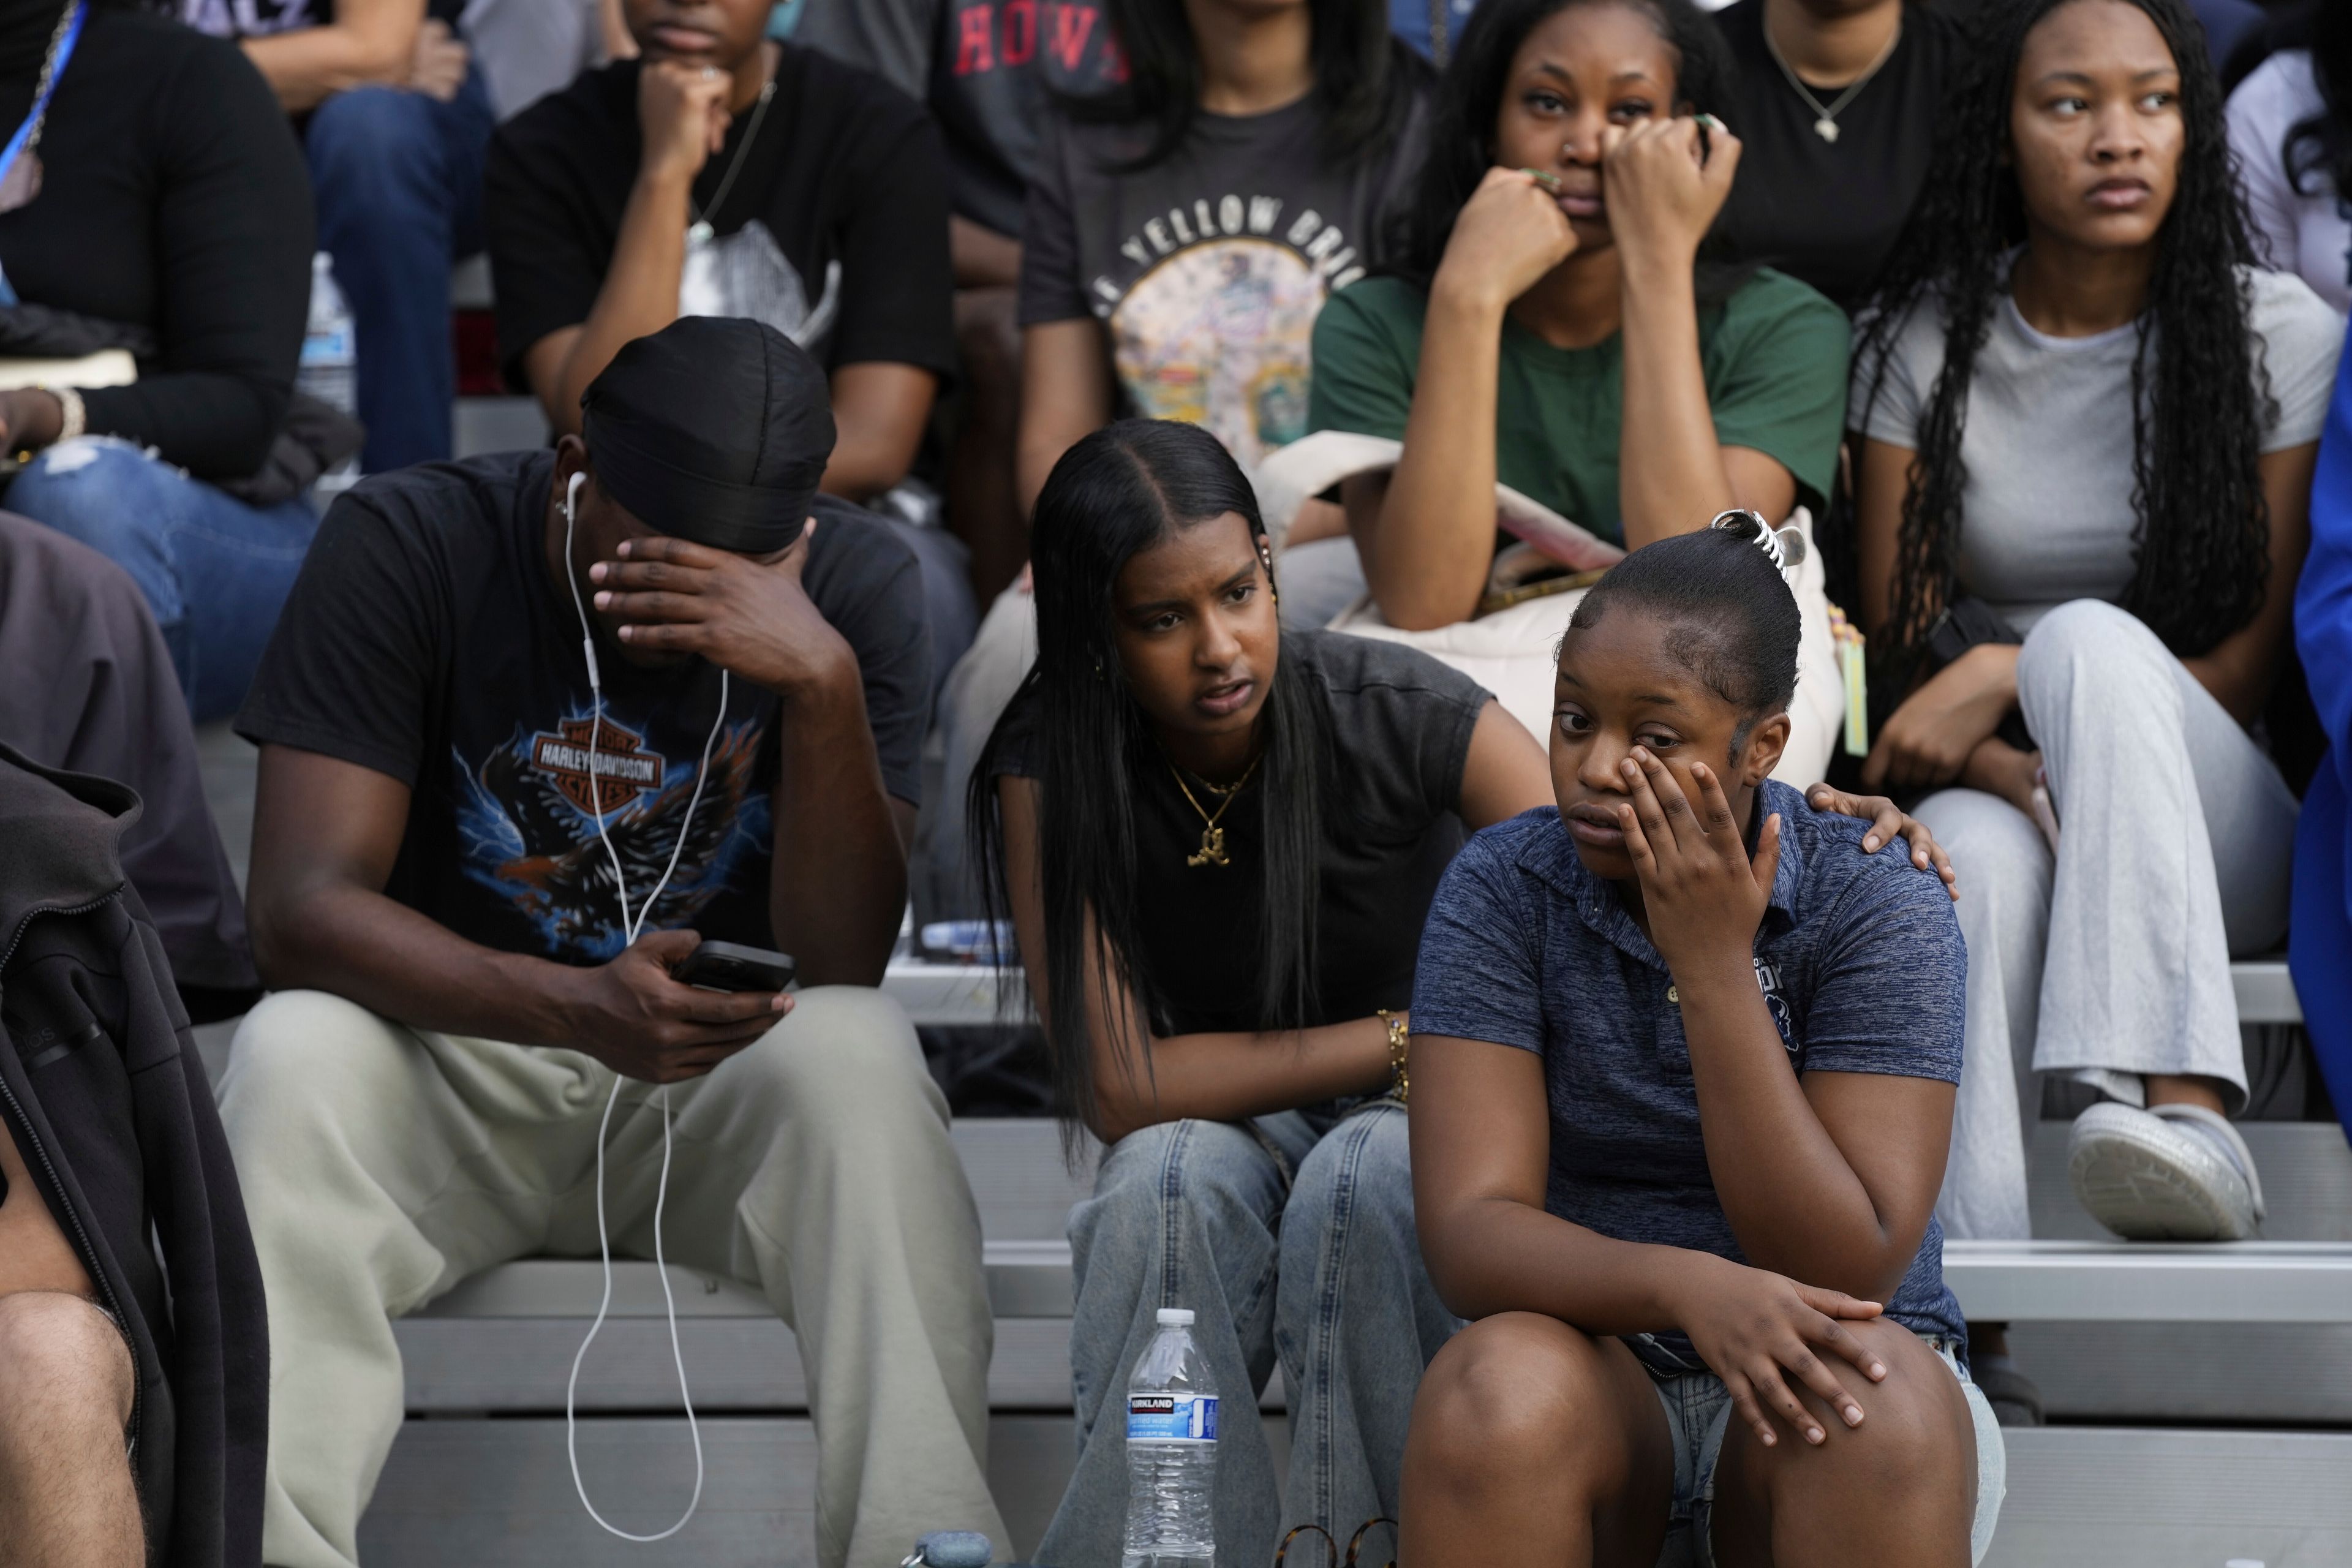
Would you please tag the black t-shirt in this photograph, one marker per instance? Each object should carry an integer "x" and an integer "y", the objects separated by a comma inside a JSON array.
[
  {"x": 835, "y": 232},
  {"x": 1828, "y": 211},
  {"x": 174, "y": 197},
  {"x": 989, "y": 69},
  {"x": 1209, "y": 268},
  {"x": 426, "y": 638},
  {"x": 1400, "y": 725}
]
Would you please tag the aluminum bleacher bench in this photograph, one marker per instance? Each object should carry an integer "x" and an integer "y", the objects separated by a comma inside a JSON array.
[
  {"x": 968, "y": 993},
  {"x": 2259, "y": 1330}
]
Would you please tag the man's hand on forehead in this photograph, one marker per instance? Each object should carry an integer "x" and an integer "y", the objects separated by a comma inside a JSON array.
[{"x": 751, "y": 617}]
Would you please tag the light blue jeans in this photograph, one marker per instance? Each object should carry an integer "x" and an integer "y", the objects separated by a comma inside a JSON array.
[
  {"x": 214, "y": 571},
  {"x": 1286, "y": 1237},
  {"x": 1699, "y": 1415}
]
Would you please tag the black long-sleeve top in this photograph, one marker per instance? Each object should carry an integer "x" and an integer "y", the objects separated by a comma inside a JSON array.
[{"x": 174, "y": 196}]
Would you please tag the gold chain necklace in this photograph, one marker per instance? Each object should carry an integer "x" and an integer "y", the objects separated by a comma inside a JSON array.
[{"x": 1213, "y": 837}]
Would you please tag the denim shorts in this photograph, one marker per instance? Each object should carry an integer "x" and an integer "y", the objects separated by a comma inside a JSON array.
[{"x": 1699, "y": 1414}]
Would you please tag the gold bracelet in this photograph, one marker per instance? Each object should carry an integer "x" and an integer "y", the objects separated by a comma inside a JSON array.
[{"x": 1400, "y": 1038}]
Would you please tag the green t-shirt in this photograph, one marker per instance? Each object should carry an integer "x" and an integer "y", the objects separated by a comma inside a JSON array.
[{"x": 1774, "y": 355}]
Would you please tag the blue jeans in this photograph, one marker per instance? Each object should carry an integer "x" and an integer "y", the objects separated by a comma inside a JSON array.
[
  {"x": 214, "y": 570},
  {"x": 1699, "y": 1415},
  {"x": 1283, "y": 1240},
  {"x": 397, "y": 176}
]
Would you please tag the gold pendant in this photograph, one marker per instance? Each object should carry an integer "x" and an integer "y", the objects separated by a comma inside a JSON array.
[{"x": 1212, "y": 849}]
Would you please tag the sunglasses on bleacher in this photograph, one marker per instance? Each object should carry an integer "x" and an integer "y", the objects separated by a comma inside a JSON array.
[{"x": 1331, "y": 1558}]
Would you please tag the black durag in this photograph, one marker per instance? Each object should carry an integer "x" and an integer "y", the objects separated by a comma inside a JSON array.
[{"x": 714, "y": 429}]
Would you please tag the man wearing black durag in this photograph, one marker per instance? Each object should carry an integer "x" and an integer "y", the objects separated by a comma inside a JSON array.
[{"x": 441, "y": 816}]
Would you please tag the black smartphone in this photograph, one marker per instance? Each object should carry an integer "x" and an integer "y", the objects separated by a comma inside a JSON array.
[{"x": 730, "y": 966}]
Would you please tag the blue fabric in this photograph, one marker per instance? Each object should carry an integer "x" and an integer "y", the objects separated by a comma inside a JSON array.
[
  {"x": 1409, "y": 20},
  {"x": 397, "y": 176},
  {"x": 1859, "y": 956},
  {"x": 214, "y": 571},
  {"x": 2225, "y": 22},
  {"x": 1698, "y": 1416},
  {"x": 2319, "y": 939}
]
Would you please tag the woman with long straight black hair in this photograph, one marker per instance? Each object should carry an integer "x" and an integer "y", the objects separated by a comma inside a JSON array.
[
  {"x": 1184, "y": 229},
  {"x": 2088, "y": 424},
  {"x": 1217, "y": 844}
]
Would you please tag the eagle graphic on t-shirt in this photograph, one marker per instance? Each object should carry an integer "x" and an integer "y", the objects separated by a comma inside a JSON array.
[{"x": 527, "y": 829}]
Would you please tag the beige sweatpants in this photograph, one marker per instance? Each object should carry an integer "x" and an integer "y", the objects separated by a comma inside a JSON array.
[{"x": 382, "y": 1166}]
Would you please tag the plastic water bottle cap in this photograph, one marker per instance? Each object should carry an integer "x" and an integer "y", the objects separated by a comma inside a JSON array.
[
  {"x": 955, "y": 1549},
  {"x": 1176, "y": 1317}
]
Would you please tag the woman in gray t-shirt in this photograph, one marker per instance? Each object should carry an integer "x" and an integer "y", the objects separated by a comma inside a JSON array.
[{"x": 2088, "y": 422}]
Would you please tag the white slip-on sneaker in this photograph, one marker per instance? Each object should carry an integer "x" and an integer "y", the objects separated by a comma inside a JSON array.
[{"x": 2177, "y": 1172}]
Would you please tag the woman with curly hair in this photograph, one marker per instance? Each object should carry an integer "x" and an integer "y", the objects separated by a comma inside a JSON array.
[{"x": 2089, "y": 426}]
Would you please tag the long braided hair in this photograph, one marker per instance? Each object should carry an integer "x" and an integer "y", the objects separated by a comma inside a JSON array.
[{"x": 2200, "y": 549}]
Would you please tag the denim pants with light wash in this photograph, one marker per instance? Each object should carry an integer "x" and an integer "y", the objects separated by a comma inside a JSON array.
[
  {"x": 397, "y": 177},
  {"x": 1698, "y": 1416},
  {"x": 1286, "y": 1237},
  {"x": 214, "y": 571}
]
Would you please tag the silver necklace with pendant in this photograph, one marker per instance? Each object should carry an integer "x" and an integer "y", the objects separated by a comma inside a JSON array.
[
  {"x": 1825, "y": 125},
  {"x": 699, "y": 231}
]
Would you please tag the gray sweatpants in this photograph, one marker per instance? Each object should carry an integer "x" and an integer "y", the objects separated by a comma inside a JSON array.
[
  {"x": 2111, "y": 959},
  {"x": 382, "y": 1166}
]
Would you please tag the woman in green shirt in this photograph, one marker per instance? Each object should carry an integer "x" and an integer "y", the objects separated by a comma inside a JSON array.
[{"x": 1551, "y": 325}]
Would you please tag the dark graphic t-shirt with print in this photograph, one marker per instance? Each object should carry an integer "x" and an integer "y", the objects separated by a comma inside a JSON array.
[
  {"x": 1399, "y": 726},
  {"x": 988, "y": 69},
  {"x": 835, "y": 230},
  {"x": 427, "y": 639},
  {"x": 1210, "y": 266}
]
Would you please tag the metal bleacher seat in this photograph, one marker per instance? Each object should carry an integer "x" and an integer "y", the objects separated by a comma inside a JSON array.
[
  {"x": 2251, "y": 1333},
  {"x": 2203, "y": 1395}
]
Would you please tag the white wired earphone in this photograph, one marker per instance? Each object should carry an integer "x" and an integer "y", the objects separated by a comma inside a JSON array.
[{"x": 630, "y": 926}]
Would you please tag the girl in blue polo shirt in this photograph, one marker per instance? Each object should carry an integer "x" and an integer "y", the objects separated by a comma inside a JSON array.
[{"x": 1683, "y": 1068}]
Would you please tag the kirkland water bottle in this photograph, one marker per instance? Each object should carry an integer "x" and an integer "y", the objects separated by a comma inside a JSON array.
[
  {"x": 330, "y": 369},
  {"x": 1171, "y": 1451},
  {"x": 329, "y": 365}
]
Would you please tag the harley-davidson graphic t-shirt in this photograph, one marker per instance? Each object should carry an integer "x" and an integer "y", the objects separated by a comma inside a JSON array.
[
  {"x": 1209, "y": 268},
  {"x": 427, "y": 639}
]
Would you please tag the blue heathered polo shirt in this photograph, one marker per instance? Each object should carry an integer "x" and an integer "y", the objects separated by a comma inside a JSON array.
[{"x": 1859, "y": 956}]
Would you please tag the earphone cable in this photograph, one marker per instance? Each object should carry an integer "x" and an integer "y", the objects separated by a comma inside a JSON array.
[
  {"x": 669, "y": 1307},
  {"x": 630, "y": 927}
]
